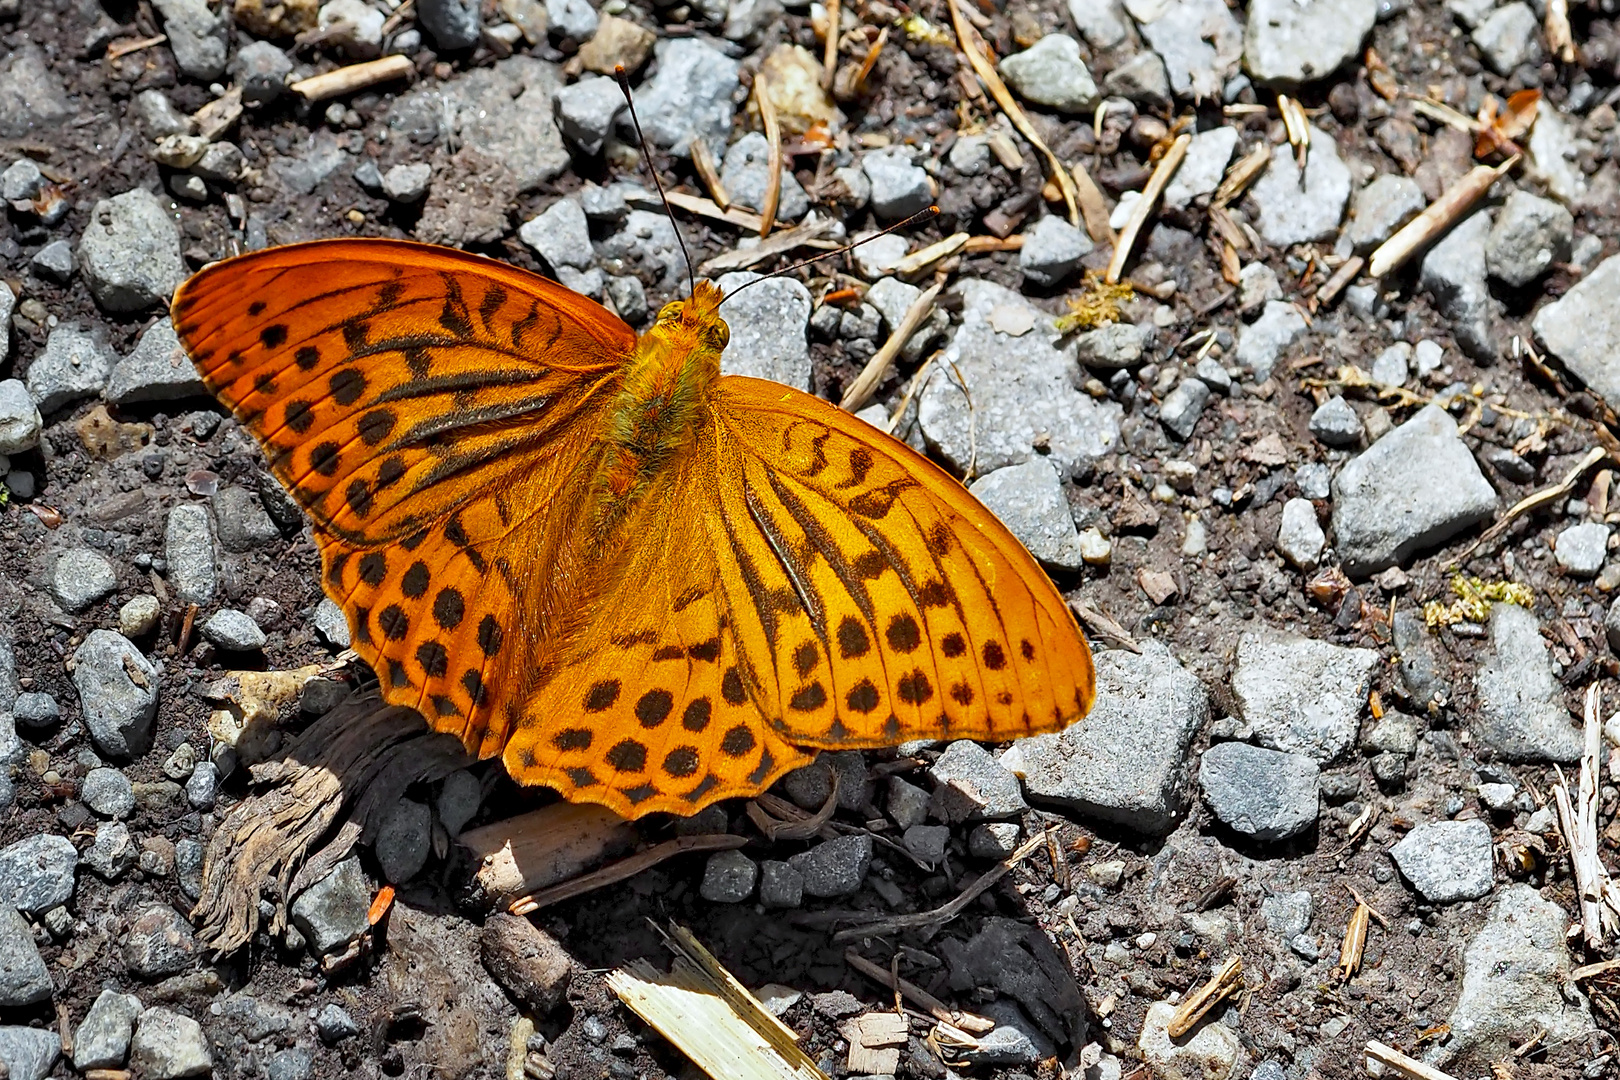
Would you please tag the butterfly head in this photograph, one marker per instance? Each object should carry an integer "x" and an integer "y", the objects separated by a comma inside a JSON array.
[{"x": 699, "y": 316}]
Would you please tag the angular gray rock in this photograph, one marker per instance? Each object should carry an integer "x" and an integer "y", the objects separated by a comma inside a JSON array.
[
  {"x": 1530, "y": 234},
  {"x": 768, "y": 324},
  {"x": 745, "y": 176},
  {"x": 728, "y": 878},
  {"x": 1417, "y": 663},
  {"x": 834, "y": 867},
  {"x": 1299, "y": 209},
  {"x": 1181, "y": 408},
  {"x": 404, "y": 840},
  {"x": 102, "y": 1038},
  {"x": 1335, "y": 423},
  {"x": 689, "y": 95},
  {"x": 129, "y": 254},
  {"x": 108, "y": 792},
  {"x": 113, "y": 853},
  {"x": 332, "y": 912},
  {"x": 1101, "y": 22},
  {"x": 1299, "y": 695},
  {"x": 1582, "y": 329},
  {"x": 197, "y": 36},
  {"x": 1581, "y": 549},
  {"x": 243, "y": 523},
  {"x": 261, "y": 71},
  {"x": 80, "y": 578},
  {"x": 1300, "y": 538},
  {"x": 1261, "y": 343},
  {"x": 971, "y": 785},
  {"x": 1200, "y": 42},
  {"x": 73, "y": 365},
  {"x": 1515, "y": 983},
  {"x": 156, "y": 370},
  {"x": 188, "y": 545},
  {"x": 1052, "y": 250},
  {"x": 1029, "y": 500},
  {"x": 1111, "y": 347},
  {"x": 20, "y": 422},
  {"x": 1509, "y": 36},
  {"x": 118, "y": 694},
  {"x": 452, "y": 23},
  {"x": 1142, "y": 80},
  {"x": 1446, "y": 861},
  {"x": 24, "y": 979},
  {"x": 1126, "y": 763},
  {"x": 1380, "y": 208},
  {"x": 780, "y": 885},
  {"x": 1051, "y": 72},
  {"x": 37, "y": 873},
  {"x": 36, "y": 100},
  {"x": 1287, "y": 42},
  {"x": 54, "y": 261},
  {"x": 29, "y": 1053},
  {"x": 1522, "y": 715},
  {"x": 900, "y": 187},
  {"x": 1023, "y": 390},
  {"x": 648, "y": 241},
  {"x": 168, "y": 1046},
  {"x": 587, "y": 111},
  {"x": 1453, "y": 273},
  {"x": 1261, "y": 794},
  {"x": 159, "y": 943},
  {"x": 1414, "y": 488},
  {"x": 407, "y": 184},
  {"x": 575, "y": 19}
]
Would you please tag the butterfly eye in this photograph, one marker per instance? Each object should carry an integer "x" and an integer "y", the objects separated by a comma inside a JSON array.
[
  {"x": 720, "y": 335},
  {"x": 671, "y": 310}
]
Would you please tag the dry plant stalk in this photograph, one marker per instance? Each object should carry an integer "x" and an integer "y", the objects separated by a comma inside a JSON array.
[
  {"x": 1342, "y": 277},
  {"x": 697, "y": 204},
  {"x": 1240, "y": 174},
  {"x": 780, "y": 244},
  {"x": 971, "y": 1023},
  {"x": 1440, "y": 216},
  {"x": 829, "y": 56},
  {"x": 923, "y": 258},
  {"x": 803, "y": 828},
  {"x": 346, "y": 80},
  {"x": 1297, "y": 126},
  {"x": 1093, "y": 207},
  {"x": 1144, "y": 206},
  {"x": 709, "y": 173},
  {"x": 624, "y": 870},
  {"x": 124, "y": 48},
  {"x": 1532, "y": 501},
  {"x": 710, "y": 1016},
  {"x": 1197, "y": 1004},
  {"x": 1355, "y": 941},
  {"x": 968, "y": 41},
  {"x": 978, "y": 244},
  {"x": 773, "y": 162},
  {"x": 872, "y": 375},
  {"x": 1600, "y": 899},
  {"x": 1409, "y": 1067}
]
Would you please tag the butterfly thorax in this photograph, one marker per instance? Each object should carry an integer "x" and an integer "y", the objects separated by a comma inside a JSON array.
[{"x": 656, "y": 412}]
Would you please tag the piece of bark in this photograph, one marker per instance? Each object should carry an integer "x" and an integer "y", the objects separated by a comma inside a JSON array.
[{"x": 529, "y": 963}]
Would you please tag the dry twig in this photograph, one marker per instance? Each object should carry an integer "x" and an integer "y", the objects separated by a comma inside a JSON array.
[
  {"x": 1409, "y": 1067},
  {"x": 780, "y": 244},
  {"x": 703, "y": 164},
  {"x": 346, "y": 80},
  {"x": 969, "y": 1022},
  {"x": 1440, "y": 216},
  {"x": 1197, "y": 1004},
  {"x": 625, "y": 869},
  {"x": 1144, "y": 206},
  {"x": 829, "y": 56},
  {"x": 773, "y": 162},
  {"x": 872, "y": 375},
  {"x": 1533, "y": 501},
  {"x": 923, "y": 258},
  {"x": 1600, "y": 899}
]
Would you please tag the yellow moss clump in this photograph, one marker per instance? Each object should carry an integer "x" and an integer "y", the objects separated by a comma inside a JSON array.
[
  {"x": 1097, "y": 304},
  {"x": 1474, "y": 599}
]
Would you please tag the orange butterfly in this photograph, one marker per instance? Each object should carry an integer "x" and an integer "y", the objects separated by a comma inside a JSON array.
[{"x": 639, "y": 582}]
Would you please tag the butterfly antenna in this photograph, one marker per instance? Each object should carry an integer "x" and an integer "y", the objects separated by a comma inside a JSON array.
[
  {"x": 921, "y": 215},
  {"x": 652, "y": 170}
]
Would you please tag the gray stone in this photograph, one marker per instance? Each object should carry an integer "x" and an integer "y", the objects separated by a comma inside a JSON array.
[
  {"x": 744, "y": 175},
  {"x": 1101, "y": 22},
  {"x": 188, "y": 545},
  {"x": 1522, "y": 715},
  {"x": 261, "y": 71},
  {"x": 1127, "y": 763},
  {"x": 1515, "y": 984},
  {"x": 1416, "y": 661},
  {"x": 407, "y": 183},
  {"x": 689, "y": 95},
  {"x": 1453, "y": 273},
  {"x": 1470, "y": 12},
  {"x": 156, "y": 370},
  {"x": 197, "y": 36},
  {"x": 36, "y": 102},
  {"x": 1300, "y": 538},
  {"x": 160, "y": 943},
  {"x": 971, "y": 785},
  {"x": 1142, "y": 80},
  {"x": 139, "y": 616},
  {"x": 1029, "y": 500},
  {"x": 1050, "y": 72},
  {"x": 108, "y": 792},
  {"x": 80, "y": 578},
  {"x": 768, "y": 324},
  {"x": 188, "y": 863},
  {"x": 158, "y": 115},
  {"x": 877, "y": 256},
  {"x": 221, "y": 163},
  {"x": 780, "y": 885},
  {"x": 1018, "y": 960},
  {"x": 629, "y": 298},
  {"x": 1554, "y": 151},
  {"x": 118, "y": 694},
  {"x": 1581, "y": 549},
  {"x": 907, "y": 804},
  {"x": 29, "y": 1053},
  {"x": 1414, "y": 488},
  {"x": 102, "y": 1038},
  {"x": 1396, "y": 733},
  {"x": 22, "y": 180},
  {"x": 330, "y": 622},
  {"x": 1299, "y": 695},
  {"x": 36, "y": 710},
  {"x": 168, "y": 1046},
  {"x": 1287, "y": 915},
  {"x": 1336, "y": 424},
  {"x": 1052, "y": 250},
  {"x": 1582, "y": 329},
  {"x": 1111, "y": 347},
  {"x": 853, "y": 190},
  {"x": 1314, "y": 480},
  {"x": 506, "y": 113},
  {"x": 1288, "y": 42},
  {"x": 332, "y": 912},
  {"x": 1257, "y": 286},
  {"x": 1181, "y": 408},
  {"x": 54, "y": 261},
  {"x": 1380, "y": 208},
  {"x": 1014, "y": 1041},
  {"x": 1201, "y": 170},
  {"x": 73, "y": 365},
  {"x": 899, "y": 187},
  {"x": 129, "y": 254},
  {"x": 834, "y": 867},
  {"x": 113, "y": 852},
  {"x": 893, "y": 298},
  {"x": 1261, "y": 342},
  {"x": 24, "y": 979},
  {"x": 575, "y": 19},
  {"x": 1199, "y": 40},
  {"x": 352, "y": 25},
  {"x": 1023, "y": 391},
  {"x": 728, "y": 878},
  {"x": 1261, "y": 794},
  {"x": 295, "y": 1062},
  {"x": 404, "y": 840},
  {"x": 20, "y": 422},
  {"x": 648, "y": 241},
  {"x": 202, "y": 786},
  {"x": 1446, "y": 861},
  {"x": 1300, "y": 210},
  {"x": 453, "y": 24},
  {"x": 458, "y": 801},
  {"x": 1509, "y": 36},
  {"x": 230, "y": 629},
  {"x": 968, "y": 155},
  {"x": 243, "y": 523},
  {"x": 994, "y": 839},
  {"x": 1497, "y": 797},
  {"x": 587, "y": 110},
  {"x": 1389, "y": 367},
  {"x": 333, "y": 1024},
  {"x": 37, "y": 873},
  {"x": 1530, "y": 234}
]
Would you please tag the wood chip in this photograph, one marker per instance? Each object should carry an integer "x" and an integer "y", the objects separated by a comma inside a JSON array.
[
  {"x": 1437, "y": 219},
  {"x": 543, "y": 847},
  {"x": 874, "y": 1043},
  {"x": 1159, "y": 585},
  {"x": 1145, "y": 205},
  {"x": 346, "y": 80},
  {"x": 977, "y": 245}
]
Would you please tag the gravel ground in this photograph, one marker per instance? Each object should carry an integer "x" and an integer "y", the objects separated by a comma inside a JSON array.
[{"x": 1253, "y": 491}]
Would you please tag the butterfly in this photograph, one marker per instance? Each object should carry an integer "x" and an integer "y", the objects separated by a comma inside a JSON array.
[{"x": 637, "y": 581}]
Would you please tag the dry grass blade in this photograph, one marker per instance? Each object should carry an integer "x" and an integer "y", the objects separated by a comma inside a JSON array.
[
  {"x": 1355, "y": 941},
  {"x": 1440, "y": 216},
  {"x": 1577, "y": 819},
  {"x": 977, "y": 244},
  {"x": 872, "y": 375},
  {"x": 971, "y": 1023},
  {"x": 1409, "y": 1067},
  {"x": 773, "y": 163},
  {"x": 1445, "y": 114},
  {"x": 829, "y": 56},
  {"x": 625, "y": 869},
  {"x": 1240, "y": 174},
  {"x": 1533, "y": 501},
  {"x": 1197, "y": 1004},
  {"x": 968, "y": 40},
  {"x": 1093, "y": 207},
  {"x": 1342, "y": 277},
  {"x": 1144, "y": 206},
  {"x": 703, "y": 164},
  {"x": 1297, "y": 126},
  {"x": 711, "y": 1016},
  {"x": 780, "y": 244},
  {"x": 923, "y": 258},
  {"x": 346, "y": 80}
]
